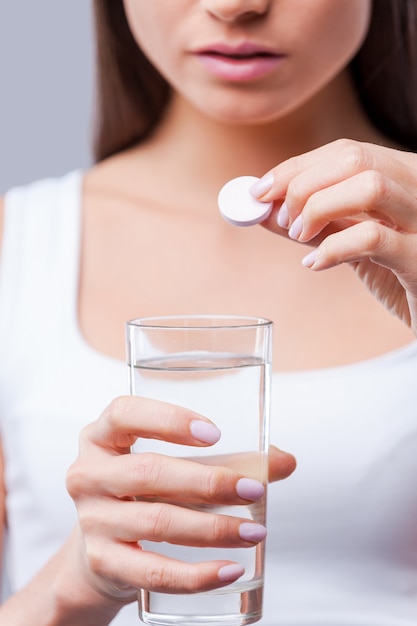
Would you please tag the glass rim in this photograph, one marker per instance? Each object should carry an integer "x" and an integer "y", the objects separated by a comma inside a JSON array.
[{"x": 196, "y": 322}]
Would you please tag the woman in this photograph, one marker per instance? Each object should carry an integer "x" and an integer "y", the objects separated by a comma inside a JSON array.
[{"x": 230, "y": 87}]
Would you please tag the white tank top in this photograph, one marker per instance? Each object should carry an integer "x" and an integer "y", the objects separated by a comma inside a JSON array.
[{"x": 342, "y": 542}]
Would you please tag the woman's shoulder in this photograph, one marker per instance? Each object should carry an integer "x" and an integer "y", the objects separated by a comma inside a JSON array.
[
  {"x": 34, "y": 205},
  {"x": 42, "y": 186},
  {"x": 41, "y": 197},
  {"x": 1, "y": 219}
]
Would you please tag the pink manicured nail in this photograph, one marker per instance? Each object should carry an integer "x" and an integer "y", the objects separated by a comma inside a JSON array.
[
  {"x": 262, "y": 185},
  {"x": 204, "y": 431},
  {"x": 310, "y": 258},
  {"x": 249, "y": 489},
  {"x": 230, "y": 572},
  {"x": 296, "y": 227},
  {"x": 283, "y": 217},
  {"x": 252, "y": 532}
]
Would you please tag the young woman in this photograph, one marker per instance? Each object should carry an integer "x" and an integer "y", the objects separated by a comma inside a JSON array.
[{"x": 319, "y": 99}]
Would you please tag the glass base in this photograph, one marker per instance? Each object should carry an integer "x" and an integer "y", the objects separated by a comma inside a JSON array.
[{"x": 231, "y": 608}]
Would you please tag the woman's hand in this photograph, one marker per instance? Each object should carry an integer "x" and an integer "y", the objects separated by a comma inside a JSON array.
[
  {"x": 356, "y": 203},
  {"x": 124, "y": 498}
]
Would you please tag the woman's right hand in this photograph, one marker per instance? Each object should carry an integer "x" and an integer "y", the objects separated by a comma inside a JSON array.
[{"x": 124, "y": 498}]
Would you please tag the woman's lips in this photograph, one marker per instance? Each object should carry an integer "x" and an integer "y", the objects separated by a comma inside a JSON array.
[{"x": 238, "y": 64}]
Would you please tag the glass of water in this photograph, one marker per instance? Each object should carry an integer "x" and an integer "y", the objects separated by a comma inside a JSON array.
[{"x": 220, "y": 367}]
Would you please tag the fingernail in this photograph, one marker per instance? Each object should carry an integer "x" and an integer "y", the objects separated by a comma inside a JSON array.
[
  {"x": 204, "y": 431},
  {"x": 230, "y": 572},
  {"x": 262, "y": 185},
  {"x": 252, "y": 532},
  {"x": 310, "y": 259},
  {"x": 249, "y": 489},
  {"x": 296, "y": 228},
  {"x": 283, "y": 217}
]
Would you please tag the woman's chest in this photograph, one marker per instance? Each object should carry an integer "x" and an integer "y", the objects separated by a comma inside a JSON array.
[{"x": 161, "y": 267}]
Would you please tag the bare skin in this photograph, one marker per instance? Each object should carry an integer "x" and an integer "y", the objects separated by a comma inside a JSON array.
[{"x": 154, "y": 208}]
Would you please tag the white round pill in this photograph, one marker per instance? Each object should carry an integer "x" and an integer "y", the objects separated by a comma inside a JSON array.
[{"x": 238, "y": 206}]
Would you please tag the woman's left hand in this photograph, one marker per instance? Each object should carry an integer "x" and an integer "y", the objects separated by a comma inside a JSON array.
[{"x": 356, "y": 203}]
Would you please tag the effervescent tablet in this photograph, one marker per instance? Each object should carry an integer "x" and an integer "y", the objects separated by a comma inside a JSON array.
[{"x": 238, "y": 206}]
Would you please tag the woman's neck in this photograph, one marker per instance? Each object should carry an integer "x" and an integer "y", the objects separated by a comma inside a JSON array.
[
  {"x": 192, "y": 155},
  {"x": 226, "y": 150}
]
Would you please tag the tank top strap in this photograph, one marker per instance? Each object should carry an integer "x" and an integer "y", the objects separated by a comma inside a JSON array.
[{"x": 39, "y": 261}]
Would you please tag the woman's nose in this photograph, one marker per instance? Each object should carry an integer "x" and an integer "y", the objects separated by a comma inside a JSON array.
[{"x": 235, "y": 10}]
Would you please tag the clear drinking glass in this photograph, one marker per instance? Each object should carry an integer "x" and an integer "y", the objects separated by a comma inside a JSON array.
[{"x": 219, "y": 366}]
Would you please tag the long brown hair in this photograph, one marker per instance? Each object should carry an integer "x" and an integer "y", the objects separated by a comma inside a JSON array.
[
  {"x": 385, "y": 70},
  {"x": 131, "y": 95}
]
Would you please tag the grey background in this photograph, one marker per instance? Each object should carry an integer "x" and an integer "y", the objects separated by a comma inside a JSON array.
[{"x": 46, "y": 88}]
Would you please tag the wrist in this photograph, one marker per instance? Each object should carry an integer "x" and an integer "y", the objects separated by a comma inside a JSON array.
[{"x": 79, "y": 597}]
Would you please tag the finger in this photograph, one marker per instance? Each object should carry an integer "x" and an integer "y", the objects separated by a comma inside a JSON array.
[
  {"x": 281, "y": 464},
  {"x": 368, "y": 240},
  {"x": 154, "y": 521},
  {"x": 151, "y": 475},
  {"x": 130, "y": 417},
  {"x": 331, "y": 163},
  {"x": 311, "y": 170},
  {"x": 324, "y": 170},
  {"x": 367, "y": 195},
  {"x": 129, "y": 566}
]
